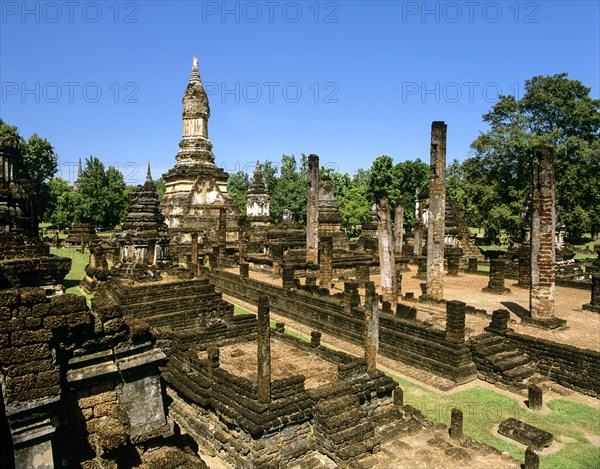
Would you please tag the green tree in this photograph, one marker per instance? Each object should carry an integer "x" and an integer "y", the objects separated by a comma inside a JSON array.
[
  {"x": 407, "y": 177},
  {"x": 159, "y": 186},
  {"x": 102, "y": 197},
  {"x": 289, "y": 189},
  {"x": 556, "y": 111},
  {"x": 57, "y": 195},
  {"x": 38, "y": 160},
  {"x": 237, "y": 188}
]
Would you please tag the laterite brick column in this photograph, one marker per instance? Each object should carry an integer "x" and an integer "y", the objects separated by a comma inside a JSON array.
[
  {"x": 222, "y": 238},
  {"x": 387, "y": 262},
  {"x": 399, "y": 227},
  {"x": 326, "y": 262},
  {"x": 543, "y": 219},
  {"x": 437, "y": 212},
  {"x": 371, "y": 328},
  {"x": 312, "y": 211},
  {"x": 264, "y": 350}
]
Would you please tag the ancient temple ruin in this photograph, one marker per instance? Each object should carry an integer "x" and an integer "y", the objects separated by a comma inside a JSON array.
[
  {"x": 195, "y": 188},
  {"x": 25, "y": 260}
]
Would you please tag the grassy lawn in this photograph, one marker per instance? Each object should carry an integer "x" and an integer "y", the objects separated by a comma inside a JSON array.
[
  {"x": 77, "y": 271},
  {"x": 482, "y": 408}
]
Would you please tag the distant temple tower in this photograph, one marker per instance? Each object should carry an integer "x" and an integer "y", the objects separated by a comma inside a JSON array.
[
  {"x": 257, "y": 200},
  {"x": 195, "y": 189},
  {"x": 79, "y": 174}
]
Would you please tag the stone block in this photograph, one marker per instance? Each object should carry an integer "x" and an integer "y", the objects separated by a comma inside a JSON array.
[{"x": 525, "y": 434}]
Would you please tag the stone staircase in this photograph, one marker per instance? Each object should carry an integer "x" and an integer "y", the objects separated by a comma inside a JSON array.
[{"x": 500, "y": 363}]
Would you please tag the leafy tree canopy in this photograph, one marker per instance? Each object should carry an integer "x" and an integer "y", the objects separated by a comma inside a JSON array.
[{"x": 494, "y": 184}]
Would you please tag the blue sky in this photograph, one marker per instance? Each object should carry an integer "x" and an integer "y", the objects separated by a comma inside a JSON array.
[{"x": 348, "y": 80}]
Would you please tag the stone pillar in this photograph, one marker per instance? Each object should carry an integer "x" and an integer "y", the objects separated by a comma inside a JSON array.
[
  {"x": 362, "y": 274},
  {"x": 371, "y": 327},
  {"x": 326, "y": 262},
  {"x": 524, "y": 266},
  {"x": 387, "y": 263},
  {"x": 213, "y": 354},
  {"x": 437, "y": 212},
  {"x": 277, "y": 253},
  {"x": 264, "y": 350},
  {"x": 194, "y": 249},
  {"x": 244, "y": 270},
  {"x": 418, "y": 231},
  {"x": 287, "y": 274},
  {"x": 351, "y": 298},
  {"x": 315, "y": 339},
  {"x": 496, "y": 283},
  {"x": 473, "y": 262},
  {"x": 535, "y": 397},
  {"x": 399, "y": 397},
  {"x": 399, "y": 283},
  {"x": 594, "y": 304},
  {"x": 532, "y": 459},
  {"x": 455, "y": 321},
  {"x": 399, "y": 227},
  {"x": 453, "y": 254},
  {"x": 243, "y": 238},
  {"x": 222, "y": 237},
  {"x": 421, "y": 267},
  {"x": 456, "y": 424},
  {"x": 543, "y": 219},
  {"x": 312, "y": 211},
  {"x": 499, "y": 322}
]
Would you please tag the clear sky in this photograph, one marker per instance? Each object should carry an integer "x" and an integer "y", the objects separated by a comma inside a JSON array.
[{"x": 348, "y": 80}]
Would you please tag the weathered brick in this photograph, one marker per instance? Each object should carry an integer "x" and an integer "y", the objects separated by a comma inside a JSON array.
[
  {"x": 41, "y": 309},
  {"x": 32, "y": 296},
  {"x": 67, "y": 304},
  {"x": 5, "y": 313},
  {"x": 24, "y": 354},
  {"x": 18, "y": 384},
  {"x": 27, "y": 337},
  {"x": 79, "y": 319},
  {"x": 9, "y": 298},
  {"x": 54, "y": 322},
  {"x": 47, "y": 378},
  {"x": 34, "y": 366}
]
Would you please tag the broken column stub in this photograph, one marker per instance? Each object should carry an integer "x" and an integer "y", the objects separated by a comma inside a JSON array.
[
  {"x": 543, "y": 219},
  {"x": 387, "y": 262},
  {"x": 264, "y": 350},
  {"x": 312, "y": 211},
  {"x": 455, "y": 321},
  {"x": 371, "y": 327},
  {"x": 437, "y": 212},
  {"x": 594, "y": 304},
  {"x": 326, "y": 262}
]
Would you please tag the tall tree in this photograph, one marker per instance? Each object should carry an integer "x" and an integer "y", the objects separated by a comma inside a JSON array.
[
  {"x": 556, "y": 111},
  {"x": 58, "y": 206},
  {"x": 102, "y": 197},
  {"x": 237, "y": 188},
  {"x": 38, "y": 160}
]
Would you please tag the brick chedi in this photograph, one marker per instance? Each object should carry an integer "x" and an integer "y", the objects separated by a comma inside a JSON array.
[
  {"x": 25, "y": 261},
  {"x": 257, "y": 199},
  {"x": 144, "y": 241},
  {"x": 195, "y": 189},
  {"x": 330, "y": 221}
]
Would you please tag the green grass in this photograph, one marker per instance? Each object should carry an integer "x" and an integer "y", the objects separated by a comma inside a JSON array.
[
  {"x": 77, "y": 272},
  {"x": 482, "y": 409}
]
